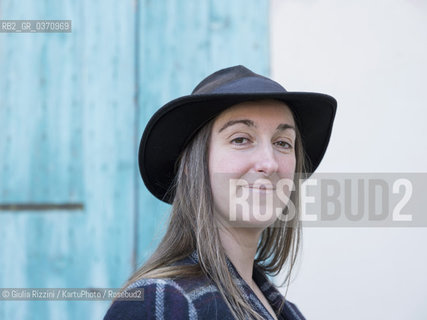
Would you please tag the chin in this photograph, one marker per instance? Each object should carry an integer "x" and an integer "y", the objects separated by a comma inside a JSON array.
[{"x": 258, "y": 218}]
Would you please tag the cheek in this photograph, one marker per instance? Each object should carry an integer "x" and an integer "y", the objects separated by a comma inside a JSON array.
[
  {"x": 229, "y": 165},
  {"x": 224, "y": 161},
  {"x": 287, "y": 167},
  {"x": 222, "y": 168}
]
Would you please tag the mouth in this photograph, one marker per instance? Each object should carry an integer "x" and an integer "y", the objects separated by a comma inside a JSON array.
[{"x": 265, "y": 188}]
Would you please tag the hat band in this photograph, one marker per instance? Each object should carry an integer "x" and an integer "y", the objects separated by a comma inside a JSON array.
[{"x": 250, "y": 85}]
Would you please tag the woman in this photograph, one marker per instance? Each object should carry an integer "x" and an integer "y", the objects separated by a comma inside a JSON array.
[{"x": 223, "y": 157}]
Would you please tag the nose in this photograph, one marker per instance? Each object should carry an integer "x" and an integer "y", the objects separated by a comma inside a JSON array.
[{"x": 265, "y": 160}]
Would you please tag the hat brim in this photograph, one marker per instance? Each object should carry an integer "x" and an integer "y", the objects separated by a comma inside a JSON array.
[{"x": 183, "y": 117}]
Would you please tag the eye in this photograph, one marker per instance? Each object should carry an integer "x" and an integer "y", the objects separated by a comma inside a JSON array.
[
  {"x": 239, "y": 140},
  {"x": 284, "y": 144}
]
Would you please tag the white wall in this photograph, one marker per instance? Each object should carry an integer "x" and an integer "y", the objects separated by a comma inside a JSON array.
[{"x": 371, "y": 55}]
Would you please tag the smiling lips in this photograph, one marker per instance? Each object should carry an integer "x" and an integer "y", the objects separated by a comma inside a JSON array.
[{"x": 261, "y": 187}]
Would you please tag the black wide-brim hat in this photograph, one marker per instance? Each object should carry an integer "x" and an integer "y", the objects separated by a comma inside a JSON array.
[{"x": 173, "y": 126}]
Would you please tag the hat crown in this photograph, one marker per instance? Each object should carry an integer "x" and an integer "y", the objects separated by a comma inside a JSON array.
[{"x": 237, "y": 80}]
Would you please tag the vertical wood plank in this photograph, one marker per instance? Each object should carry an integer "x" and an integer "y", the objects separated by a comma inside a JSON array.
[{"x": 67, "y": 124}]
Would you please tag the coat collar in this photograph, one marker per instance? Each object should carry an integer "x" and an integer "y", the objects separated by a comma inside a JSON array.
[{"x": 273, "y": 296}]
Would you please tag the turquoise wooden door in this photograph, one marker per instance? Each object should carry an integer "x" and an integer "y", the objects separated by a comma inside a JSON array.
[{"x": 74, "y": 212}]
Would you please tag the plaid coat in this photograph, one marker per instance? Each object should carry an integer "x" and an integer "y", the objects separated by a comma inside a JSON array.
[{"x": 196, "y": 298}]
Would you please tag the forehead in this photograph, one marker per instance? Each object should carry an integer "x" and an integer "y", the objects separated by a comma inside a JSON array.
[{"x": 269, "y": 110}]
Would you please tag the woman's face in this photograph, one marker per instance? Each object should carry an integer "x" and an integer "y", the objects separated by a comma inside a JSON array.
[{"x": 252, "y": 141}]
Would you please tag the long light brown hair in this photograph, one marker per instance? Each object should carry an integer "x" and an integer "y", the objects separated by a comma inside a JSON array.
[{"x": 190, "y": 228}]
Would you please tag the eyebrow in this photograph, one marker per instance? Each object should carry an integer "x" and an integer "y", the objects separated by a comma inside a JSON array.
[{"x": 250, "y": 123}]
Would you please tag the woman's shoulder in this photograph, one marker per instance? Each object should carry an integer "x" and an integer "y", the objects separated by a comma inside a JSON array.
[
  {"x": 170, "y": 299},
  {"x": 184, "y": 297},
  {"x": 158, "y": 298}
]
